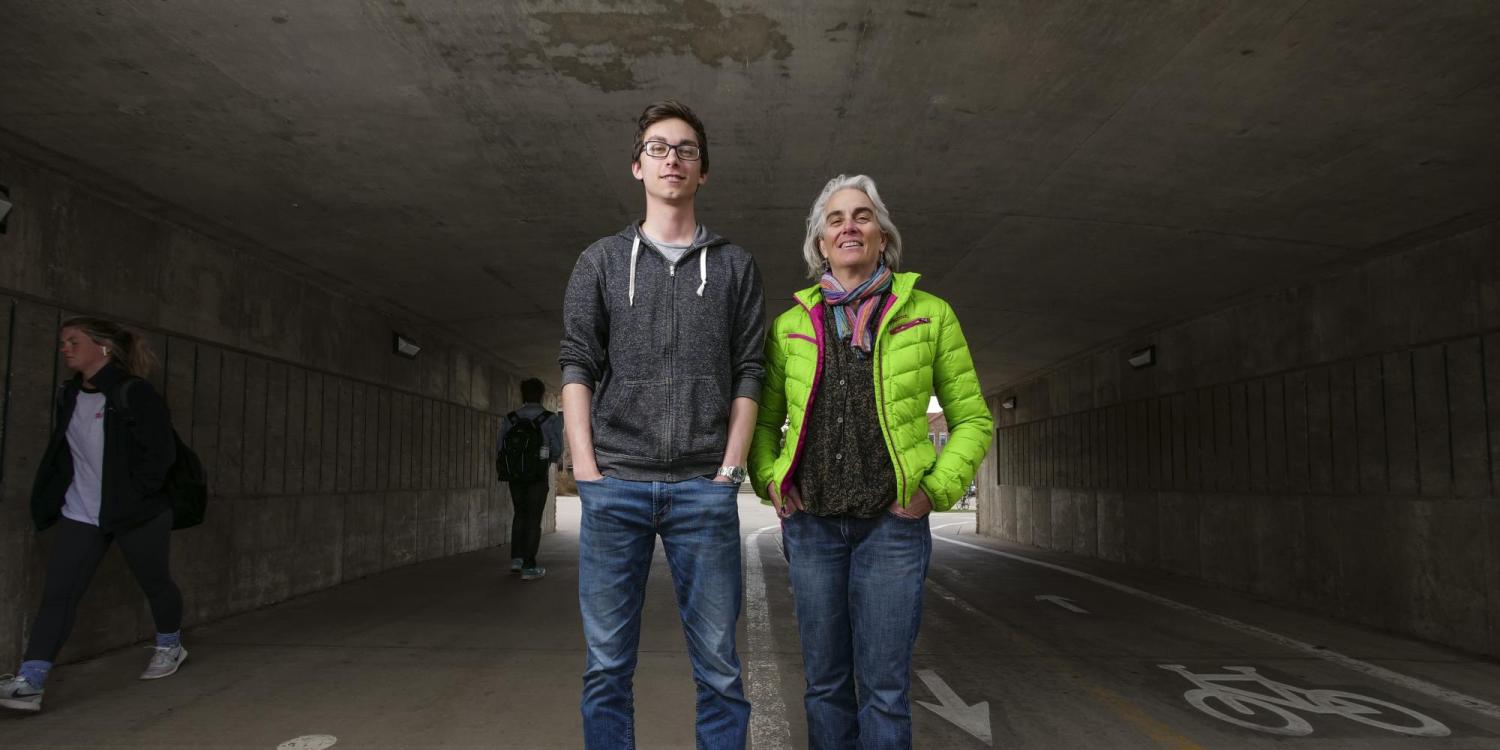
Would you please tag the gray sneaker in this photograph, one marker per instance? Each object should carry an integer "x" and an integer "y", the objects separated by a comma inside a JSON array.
[
  {"x": 531, "y": 574},
  {"x": 516, "y": 564},
  {"x": 16, "y": 693},
  {"x": 164, "y": 662}
]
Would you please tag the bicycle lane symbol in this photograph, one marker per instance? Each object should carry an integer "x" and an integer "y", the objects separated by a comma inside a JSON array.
[{"x": 1219, "y": 696}]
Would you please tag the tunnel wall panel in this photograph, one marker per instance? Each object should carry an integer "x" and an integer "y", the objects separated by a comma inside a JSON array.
[
  {"x": 253, "y": 433},
  {"x": 230, "y": 464},
  {"x": 264, "y": 539},
  {"x": 293, "y": 472},
  {"x": 328, "y": 457},
  {"x": 1336, "y": 446}
]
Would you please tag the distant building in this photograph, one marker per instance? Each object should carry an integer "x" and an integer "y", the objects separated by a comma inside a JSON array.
[{"x": 937, "y": 430}]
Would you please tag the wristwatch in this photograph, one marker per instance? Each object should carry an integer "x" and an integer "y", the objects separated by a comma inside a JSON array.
[{"x": 735, "y": 474}]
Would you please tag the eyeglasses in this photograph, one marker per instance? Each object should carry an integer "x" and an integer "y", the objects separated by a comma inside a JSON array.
[{"x": 659, "y": 149}]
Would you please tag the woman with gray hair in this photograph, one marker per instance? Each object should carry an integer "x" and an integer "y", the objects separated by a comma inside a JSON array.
[{"x": 849, "y": 371}]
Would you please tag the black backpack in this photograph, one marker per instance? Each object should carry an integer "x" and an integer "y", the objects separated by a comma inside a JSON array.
[
  {"x": 186, "y": 483},
  {"x": 520, "y": 457}
]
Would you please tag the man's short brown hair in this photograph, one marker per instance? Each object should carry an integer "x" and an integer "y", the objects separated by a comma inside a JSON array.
[{"x": 668, "y": 109}]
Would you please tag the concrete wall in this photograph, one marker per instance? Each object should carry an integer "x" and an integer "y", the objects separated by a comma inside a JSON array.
[
  {"x": 329, "y": 458},
  {"x": 1336, "y": 445}
]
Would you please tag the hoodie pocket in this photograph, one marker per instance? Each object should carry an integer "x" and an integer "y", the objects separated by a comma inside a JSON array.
[
  {"x": 629, "y": 421},
  {"x": 704, "y": 407}
]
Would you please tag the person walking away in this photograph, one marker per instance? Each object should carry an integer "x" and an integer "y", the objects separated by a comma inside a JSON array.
[{"x": 530, "y": 444}]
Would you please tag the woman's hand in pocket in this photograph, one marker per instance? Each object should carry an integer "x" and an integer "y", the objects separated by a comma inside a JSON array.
[
  {"x": 790, "y": 503},
  {"x": 919, "y": 506}
]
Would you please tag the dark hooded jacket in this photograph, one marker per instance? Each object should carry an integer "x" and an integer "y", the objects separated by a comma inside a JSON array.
[
  {"x": 138, "y": 450},
  {"x": 666, "y": 347}
]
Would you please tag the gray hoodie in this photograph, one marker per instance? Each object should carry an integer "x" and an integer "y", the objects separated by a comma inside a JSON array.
[{"x": 665, "y": 347}]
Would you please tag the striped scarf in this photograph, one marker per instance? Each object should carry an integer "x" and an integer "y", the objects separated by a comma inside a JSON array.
[{"x": 854, "y": 311}]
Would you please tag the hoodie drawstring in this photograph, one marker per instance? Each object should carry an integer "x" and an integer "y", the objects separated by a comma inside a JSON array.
[
  {"x": 635, "y": 252},
  {"x": 702, "y": 270}
]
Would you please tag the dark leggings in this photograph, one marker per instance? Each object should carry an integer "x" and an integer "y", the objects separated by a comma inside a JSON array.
[
  {"x": 80, "y": 548},
  {"x": 529, "y": 500}
]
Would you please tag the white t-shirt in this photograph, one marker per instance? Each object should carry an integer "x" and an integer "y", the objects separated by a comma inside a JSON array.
[{"x": 86, "y": 442}]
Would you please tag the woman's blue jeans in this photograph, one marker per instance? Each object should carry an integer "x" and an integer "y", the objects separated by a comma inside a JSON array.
[
  {"x": 698, "y": 521},
  {"x": 857, "y": 583}
]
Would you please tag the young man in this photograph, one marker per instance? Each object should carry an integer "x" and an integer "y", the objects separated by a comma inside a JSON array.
[
  {"x": 537, "y": 432},
  {"x": 661, "y": 361}
]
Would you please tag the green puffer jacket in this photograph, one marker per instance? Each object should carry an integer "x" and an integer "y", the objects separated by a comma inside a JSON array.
[{"x": 919, "y": 348}]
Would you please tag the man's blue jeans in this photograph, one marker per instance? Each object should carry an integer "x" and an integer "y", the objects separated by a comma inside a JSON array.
[
  {"x": 857, "y": 583},
  {"x": 698, "y": 521}
]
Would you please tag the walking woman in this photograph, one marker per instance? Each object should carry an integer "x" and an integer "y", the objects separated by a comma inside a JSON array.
[
  {"x": 850, "y": 369},
  {"x": 100, "y": 481}
]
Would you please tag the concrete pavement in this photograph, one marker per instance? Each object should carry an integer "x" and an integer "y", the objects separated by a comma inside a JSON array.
[{"x": 457, "y": 653}]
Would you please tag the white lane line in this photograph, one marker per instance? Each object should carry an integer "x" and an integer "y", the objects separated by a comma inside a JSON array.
[
  {"x": 768, "y": 726},
  {"x": 1363, "y": 667},
  {"x": 1062, "y": 601},
  {"x": 309, "y": 742}
]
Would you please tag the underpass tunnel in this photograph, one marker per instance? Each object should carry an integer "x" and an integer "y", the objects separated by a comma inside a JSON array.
[
  {"x": 1231, "y": 275},
  {"x": 1332, "y": 445}
]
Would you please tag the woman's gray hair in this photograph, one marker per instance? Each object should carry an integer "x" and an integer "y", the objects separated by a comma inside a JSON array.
[{"x": 865, "y": 185}]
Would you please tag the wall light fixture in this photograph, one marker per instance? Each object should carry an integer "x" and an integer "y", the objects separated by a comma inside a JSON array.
[
  {"x": 1142, "y": 357},
  {"x": 5, "y": 206},
  {"x": 406, "y": 347}
]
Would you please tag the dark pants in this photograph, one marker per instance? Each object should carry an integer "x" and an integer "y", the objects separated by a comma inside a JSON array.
[
  {"x": 79, "y": 549},
  {"x": 529, "y": 500}
]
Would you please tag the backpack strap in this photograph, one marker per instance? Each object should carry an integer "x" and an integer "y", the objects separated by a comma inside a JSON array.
[{"x": 119, "y": 397}]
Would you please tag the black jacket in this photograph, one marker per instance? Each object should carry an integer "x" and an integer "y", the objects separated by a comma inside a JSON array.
[{"x": 138, "y": 451}]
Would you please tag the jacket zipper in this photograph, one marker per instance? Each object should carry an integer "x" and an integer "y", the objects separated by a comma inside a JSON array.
[
  {"x": 672, "y": 355},
  {"x": 817, "y": 324},
  {"x": 913, "y": 323},
  {"x": 672, "y": 359},
  {"x": 880, "y": 404},
  {"x": 672, "y": 369}
]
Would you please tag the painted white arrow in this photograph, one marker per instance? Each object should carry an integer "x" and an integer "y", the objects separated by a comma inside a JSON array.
[
  {"x": 973, "y": 719},
  {"x": 1063, "y": 602}
]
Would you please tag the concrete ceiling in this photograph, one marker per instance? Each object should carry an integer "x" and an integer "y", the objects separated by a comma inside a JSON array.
[{"x": 1065, "y": 172}]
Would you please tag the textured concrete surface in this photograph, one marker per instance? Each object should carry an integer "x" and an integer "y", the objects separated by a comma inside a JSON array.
[
  {"x": 367, "y": 478},
  {"x": 1064, "y": 172},
  {"x": 329, "y": 458},
  {"x": 271, "y": 193},
  {"x": 483, "y": 660},
  {"x": 1348, "y": 466}
]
